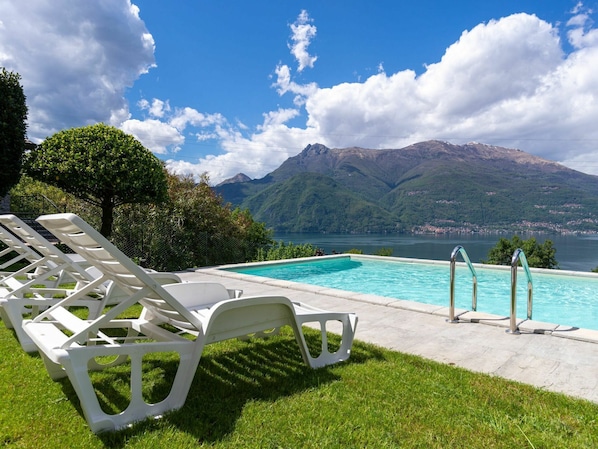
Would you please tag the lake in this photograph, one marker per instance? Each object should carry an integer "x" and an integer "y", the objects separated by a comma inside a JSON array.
[{"x": 578, "y": 253}]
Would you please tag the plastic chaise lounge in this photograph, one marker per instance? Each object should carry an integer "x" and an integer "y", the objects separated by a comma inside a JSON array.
[
  {"x": 36, "y": 269},
  {"x": 34, "y": 286},
  {"x": 20, "y": 291},
  {"x": 71, "y": 346},
  {"x": 37, "y": 249}
]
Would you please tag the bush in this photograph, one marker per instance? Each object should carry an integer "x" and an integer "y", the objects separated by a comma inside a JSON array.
[
  {"x": 384, "y": 252},
  {"x": 354, "y": 251},
  {"x": 537, "y": 255},
  {"x": 282, "y": 251},
  {"x": 193, "y": 228}
]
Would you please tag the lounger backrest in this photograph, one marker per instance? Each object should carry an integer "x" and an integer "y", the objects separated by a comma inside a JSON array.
[
  {"x": 41, "y": 245},
  {"x": 99, "y": 252},
  {"x": 17, "y": 245}
]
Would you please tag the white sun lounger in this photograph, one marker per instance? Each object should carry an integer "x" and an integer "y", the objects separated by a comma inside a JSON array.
[
  {"x": 69, "y": 345},
  {"x": 43, "y": 254},
  {"x": 51, "y": 267},
  {"x": 33, "y": 287}
]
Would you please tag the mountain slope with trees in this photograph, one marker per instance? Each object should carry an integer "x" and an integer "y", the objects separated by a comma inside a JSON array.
[{"x": 426, "y": 187}]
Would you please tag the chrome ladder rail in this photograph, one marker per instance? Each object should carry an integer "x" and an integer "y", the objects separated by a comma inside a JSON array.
[
  {"x": 519, "y": 255},
  {"x": 474, "y": 300}
]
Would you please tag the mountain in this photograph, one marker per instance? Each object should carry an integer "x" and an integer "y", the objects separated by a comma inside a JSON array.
[
  {"x": 240, "y": 177},
  {"x": 430, "y": 186}
]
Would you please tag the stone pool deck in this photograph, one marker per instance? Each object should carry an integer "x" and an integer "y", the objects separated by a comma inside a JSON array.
[{"x": 548, "y": 356}]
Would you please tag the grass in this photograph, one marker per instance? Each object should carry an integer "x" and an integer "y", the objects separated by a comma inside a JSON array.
[{"x": 259, "y": 394}]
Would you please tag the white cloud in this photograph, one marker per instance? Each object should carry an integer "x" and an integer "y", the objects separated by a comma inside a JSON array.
[
  {"x": 157, "y": 108},
  {"x": 581, "y": 33},
  {"x": 75, "y": 59},
  {"x": 157, "y": 136},
  {"x": 189, "y": 116},
  {"x": 254, "y": 155},
  {"x": 284, "y": 84},
  {"x": 302, "y": 34}
]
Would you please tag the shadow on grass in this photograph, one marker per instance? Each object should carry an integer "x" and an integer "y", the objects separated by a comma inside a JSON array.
[{"x": 230, "y": 377}]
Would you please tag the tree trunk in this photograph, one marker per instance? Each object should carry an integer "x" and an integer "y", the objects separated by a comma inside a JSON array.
[{"x": 107, "y": 217}]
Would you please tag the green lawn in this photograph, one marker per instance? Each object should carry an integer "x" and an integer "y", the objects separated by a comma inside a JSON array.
[{"x": 259, "y": 394}]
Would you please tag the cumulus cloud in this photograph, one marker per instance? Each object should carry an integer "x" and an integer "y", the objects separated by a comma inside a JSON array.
[
  {"x": 284, "y": 84},
  {"x": 255, "y": 154},
  {"x": 163, "y": 131},
  {"x": 157, "y": 108},
  {"x": 76, "y": 59},
  {"x": 157, "y": 136}
]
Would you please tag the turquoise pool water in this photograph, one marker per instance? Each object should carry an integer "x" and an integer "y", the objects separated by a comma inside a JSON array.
[{"x": 565, "y": 298}]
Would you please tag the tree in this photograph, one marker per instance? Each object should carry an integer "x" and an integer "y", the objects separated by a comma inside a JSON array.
[
  {"x": 13, "y": 116},
  {"x": 192, "y": 228},
  {"x": 102, "y": 165},
  {"x": 537, "y": 255}
]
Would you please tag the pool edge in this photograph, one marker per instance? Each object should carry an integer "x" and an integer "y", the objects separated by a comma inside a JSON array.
[{"x": 463, "y": 315}]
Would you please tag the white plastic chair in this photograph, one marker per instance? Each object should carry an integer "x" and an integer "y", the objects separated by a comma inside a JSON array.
[{"x": 70, "y": 346}]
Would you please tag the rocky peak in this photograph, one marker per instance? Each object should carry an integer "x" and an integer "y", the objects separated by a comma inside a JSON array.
[{"x": 239, "y": 177}]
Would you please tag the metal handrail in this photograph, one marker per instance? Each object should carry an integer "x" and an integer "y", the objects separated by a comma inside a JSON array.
[
  {"x": 519, "y": 255},
  {"x": 474, "y": 300}
]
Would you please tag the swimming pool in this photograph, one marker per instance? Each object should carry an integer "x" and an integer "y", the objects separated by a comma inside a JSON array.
[{"x": 561, "y": 297}]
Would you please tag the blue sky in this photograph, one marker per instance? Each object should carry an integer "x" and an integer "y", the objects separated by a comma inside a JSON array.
[{"x": 237, "y": 86}]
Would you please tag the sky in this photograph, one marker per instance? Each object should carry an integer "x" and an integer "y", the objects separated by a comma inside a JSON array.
[{"x": 230, "y": 86}]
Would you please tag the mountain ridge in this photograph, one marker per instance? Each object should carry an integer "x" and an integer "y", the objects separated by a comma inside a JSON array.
[{"x": 428, "y": 186}]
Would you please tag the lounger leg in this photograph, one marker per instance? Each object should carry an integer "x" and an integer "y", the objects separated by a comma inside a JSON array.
[
  {"x": 5, "y": 319},
  {"x": 76, "y": 367},
  {"x": 12, "y": 315},
  {"x": 349, "y": 322}
]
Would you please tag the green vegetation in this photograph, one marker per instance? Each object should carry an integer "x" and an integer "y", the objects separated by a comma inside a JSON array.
[
  {"x": 281, "y": 250},
  {"x": 13, "y": 117},
  {"x": 101, "y": 165},
  {"x": 537, "y": 255},
  {"x": 355, "y": 251},
  {"x": 312, "y": 202},
  {"x": 192, "y": 228},
  {"x": 259, "y": 393}
]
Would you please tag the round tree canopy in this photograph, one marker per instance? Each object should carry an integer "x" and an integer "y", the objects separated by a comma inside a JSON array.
[
  {"x": 98, "y": 162},
  {"x": 101, "y": 165}
]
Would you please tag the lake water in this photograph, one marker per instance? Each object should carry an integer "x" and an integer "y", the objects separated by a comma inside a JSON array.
[{"x": 577, "y": 253}]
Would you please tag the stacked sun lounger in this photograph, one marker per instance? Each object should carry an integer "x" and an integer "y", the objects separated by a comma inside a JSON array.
[
  {"x": 176, "y": 318},
  {"x": 47, "y": 275}
]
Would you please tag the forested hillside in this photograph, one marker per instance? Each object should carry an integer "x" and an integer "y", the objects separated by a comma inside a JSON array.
[{"x": 426, "y": 187}]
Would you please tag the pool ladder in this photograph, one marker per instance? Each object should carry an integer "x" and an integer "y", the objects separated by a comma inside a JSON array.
[
  {"x": 474, "y": 297},
  {"x": 518, "y": 256}
]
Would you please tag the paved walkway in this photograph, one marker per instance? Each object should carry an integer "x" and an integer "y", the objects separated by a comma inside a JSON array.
[{"x": 554, "y": 358}]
